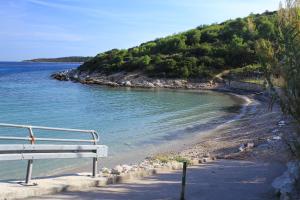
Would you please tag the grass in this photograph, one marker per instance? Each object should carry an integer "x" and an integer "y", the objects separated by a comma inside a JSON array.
[
  {"x": 252, "y": 80},
  {"x": 168, "y": 158}
]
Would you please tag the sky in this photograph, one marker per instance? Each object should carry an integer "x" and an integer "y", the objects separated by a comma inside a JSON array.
[{"x": 56, "y": 28}]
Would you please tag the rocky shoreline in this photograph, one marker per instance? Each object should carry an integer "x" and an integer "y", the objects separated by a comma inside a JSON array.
[{"x": 133, "y": 79}]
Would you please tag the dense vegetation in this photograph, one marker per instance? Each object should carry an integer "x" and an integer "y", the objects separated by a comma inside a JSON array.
[
  {"x": 281, "y": 58},
  {"x": 62, "y": 59},
  {"x": 197, "y": 53}
]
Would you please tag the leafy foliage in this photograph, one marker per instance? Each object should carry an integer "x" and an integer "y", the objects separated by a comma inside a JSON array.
[
  {"x": 197, "y": 53},
  {"x": 282, "y": 57}
]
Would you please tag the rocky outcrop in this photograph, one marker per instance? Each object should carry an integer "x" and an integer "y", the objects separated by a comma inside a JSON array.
[
  {"x": 285, "y": 185},
  {"x": 132, "y": 79}
]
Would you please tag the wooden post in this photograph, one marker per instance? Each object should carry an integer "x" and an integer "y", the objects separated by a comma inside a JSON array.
[
  {"x": 183, "y": 181},
  {"x": 95, "y": 169}
]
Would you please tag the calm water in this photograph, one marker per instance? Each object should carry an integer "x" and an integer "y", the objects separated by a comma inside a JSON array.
[{"x": 132, "y": 122}]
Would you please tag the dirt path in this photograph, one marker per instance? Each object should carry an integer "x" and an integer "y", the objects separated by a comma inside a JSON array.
[{"x": 223, "y": 179}]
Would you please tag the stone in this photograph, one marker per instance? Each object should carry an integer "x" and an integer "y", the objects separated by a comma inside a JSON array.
[
  {"x": 242, "y": 148},
  {"x": 158, "y": 83},
  {"x": 112, "y": 84},
  {"x": 206, "y": 159},
  {"x": 284, "y": 183},
  {"x": 105, "y": 170},
  {"x": 206, "y": 155},
  {"x": 128, "y": 83},
  {"x": 126, "y": 168},
  {"x": 178, "y": 83},
  {"x": 276, "y": 138},
  {"x": 250, "y": 145},
  {"x": 281, "y": 123},
  {"x": 275, "y": 131},
  {"x": 294, "y": 169},
  {"x": 148, "y": 84},
  {"x": 117, "y": 170}
]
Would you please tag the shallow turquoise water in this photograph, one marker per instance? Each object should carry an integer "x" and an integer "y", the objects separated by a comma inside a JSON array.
[{"x": 128, "y": 120}]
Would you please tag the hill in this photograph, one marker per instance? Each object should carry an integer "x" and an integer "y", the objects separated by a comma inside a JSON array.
[
  {"x": 62, "y": 59},
  {"x": 201, "y": 52}
]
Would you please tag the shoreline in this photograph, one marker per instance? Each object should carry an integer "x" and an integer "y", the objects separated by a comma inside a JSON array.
[
  {"x": 178, "y": 143},
  {"x": 268, "y": 140},
  {"x": 255, "y": 135},
  {"x": 132, "y": 79},
  {"x": 254, "y": 98}
]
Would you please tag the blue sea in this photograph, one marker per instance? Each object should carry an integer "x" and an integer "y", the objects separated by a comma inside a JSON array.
[{"x": 132, "y": 122}]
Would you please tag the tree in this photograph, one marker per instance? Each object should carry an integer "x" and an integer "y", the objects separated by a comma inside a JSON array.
[
  {"x": 284, "y": 57},
  {"x": 193, "y": 37},
  {"x": 289, "y": 32},
  {"x": 266, "y": 28}
]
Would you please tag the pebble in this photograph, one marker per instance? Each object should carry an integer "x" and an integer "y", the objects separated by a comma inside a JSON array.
[
  {"x": 276, "y": 138},
  {"x": 275, "y": 131},
  {"x": 281, "y": 123}
]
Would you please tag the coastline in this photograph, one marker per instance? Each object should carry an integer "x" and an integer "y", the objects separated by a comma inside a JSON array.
[
  {"x": 253, "y": 112},
  {"x": 255, "y": 135},
  {"x": 254, "y": 124},
  {"x": 179, "y": 141}
]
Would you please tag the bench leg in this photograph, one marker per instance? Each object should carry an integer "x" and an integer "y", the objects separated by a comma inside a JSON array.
[
  {"x": 95, "y": 165},
  {"x": 29, "y": 172}
]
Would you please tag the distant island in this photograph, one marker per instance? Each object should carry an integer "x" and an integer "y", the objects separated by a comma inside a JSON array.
[{"x": 61, "y": 59}]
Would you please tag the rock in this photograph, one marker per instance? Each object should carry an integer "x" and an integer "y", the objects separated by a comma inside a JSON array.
[
  {"x": 206, "y": 159},
  {"x": 178, "y": 83},
  {"x": 112, "y": 84},
  {"x": 105, "y": 170},
  {"x": 195, "y": 161},
  {"x": 126, "y": 168},
  {"x": 242, "y": 148},
  {"x": 246, "y": 146},
  {"x": 276, "y": 138},
  {"x": 176, "y": 165},
  {"x": 284, "y": 183},
  {"x": 281, "y": 123},
  {"x": 128, "y": 83},
  {"x": 275, "y": 131},
  {"x": 206, "y": 155},
  {"x": 117, "y": 170},
  {"x": 294, "y": 169},
  {"x": 158, "y": 83},
  {"x": 250, "y": 145},
  {"x": 148, "y": 84}
]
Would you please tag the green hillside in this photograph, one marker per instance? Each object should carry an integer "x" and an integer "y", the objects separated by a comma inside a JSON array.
[{"x": 197, "y": 53}]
